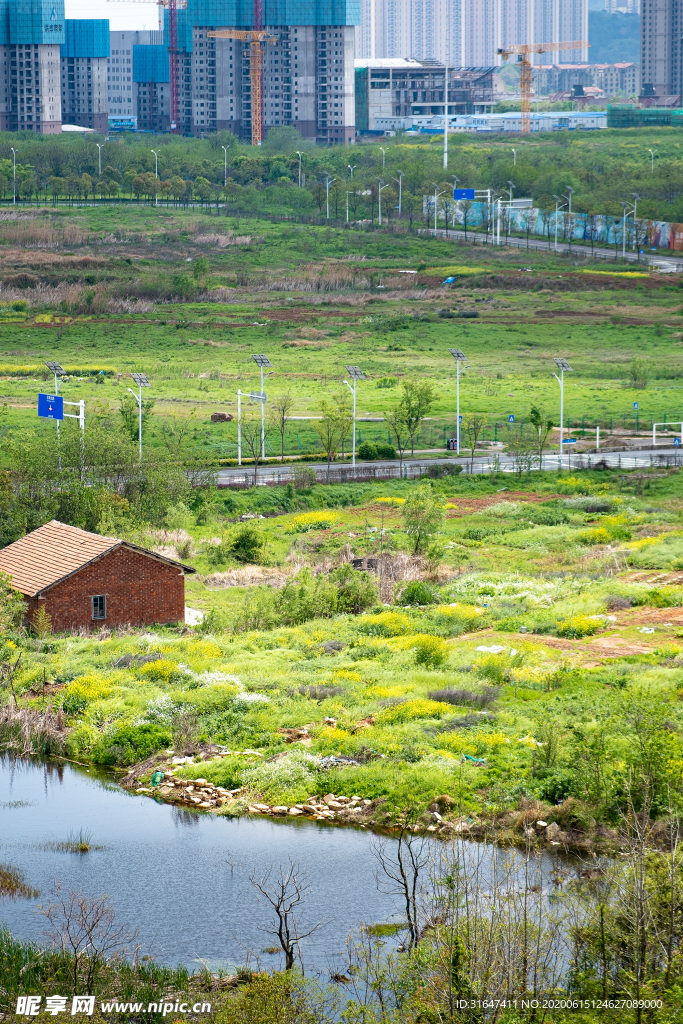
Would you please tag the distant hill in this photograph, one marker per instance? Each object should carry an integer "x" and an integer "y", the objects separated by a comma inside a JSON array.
[{"x": 613, "y": 37}]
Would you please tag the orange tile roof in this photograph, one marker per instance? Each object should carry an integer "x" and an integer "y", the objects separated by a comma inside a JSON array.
[{"x": 55, "y": 551}]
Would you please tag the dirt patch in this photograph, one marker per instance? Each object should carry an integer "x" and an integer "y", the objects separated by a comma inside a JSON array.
[
  {"x": 466, "y": 506},
  {"x": 617, "y": 647},
  {"x": 655, "y": 578}
]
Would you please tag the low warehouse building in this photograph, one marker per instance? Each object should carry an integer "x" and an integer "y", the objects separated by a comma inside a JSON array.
[{"x": 85, "y": 581}]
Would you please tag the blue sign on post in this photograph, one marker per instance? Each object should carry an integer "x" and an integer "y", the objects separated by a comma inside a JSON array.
[
  {"x": 569, "y": 440},
  {"x": 459, "y": 419},
  {"x": 511, "y": 418},
  {"x": 635, "y": 405},
  {"x": 51, "y": 407},
  {"x": 677, "y": 441},
  {"x": 463, "y": 193}
]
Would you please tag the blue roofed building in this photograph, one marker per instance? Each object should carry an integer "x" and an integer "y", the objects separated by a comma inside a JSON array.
[
  {"x": 84, "y": 54},
  {"x": 30, "y": 37},
  {"x": 151, "y": 78},
  {"x": 123, "y": 92}
]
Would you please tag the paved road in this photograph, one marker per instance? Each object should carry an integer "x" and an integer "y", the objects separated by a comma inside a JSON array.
[
  {"x": 662, "y": 457},
  {"x": 666, "y": 264}
]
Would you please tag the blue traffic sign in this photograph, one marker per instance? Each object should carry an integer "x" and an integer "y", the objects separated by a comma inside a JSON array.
[
  {"x": 463, "y": 193},
  {"x": 635, "y": 405},
  {"x": 51, "y": 407},
  {"x": 677, "y": 441},
  {"x": 511, "y": 418},
  {"x": 459, "y": 419},
  {"x": 569, "y": 440}
]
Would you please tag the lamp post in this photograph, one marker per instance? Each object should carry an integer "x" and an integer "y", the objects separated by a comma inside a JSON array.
[
  {"x": 225, "y": 170},
  {"x": 298, "y": 153},
  {"x": 514, "y": 157},
  {"x": 99, "y": 153},
  {"x": 400, "y": 191},
  {"x": 568, "y": 197},
  {"x": 347, "y": 205},
  {"x": 384, "y": 156},
  {"x": 142, "y": 382},
  {"x": 511, "y": 188},
  {"x": 636, "y": 197},
  {"x": 445, "y": 116},
  {"x": 355, "y": 373},
  {"x": 58, "y": 370},
  {"x": 652, "y": 160},
  {"x": 156, "y": 172},
  {"x": 436, "y": 196},
  {"x": 262, "y": 361},
  {"x": 328, "y": 182},
  {"x": 379, "y": 196},
  {"x": 459, "y": 357},
  {"x": 14, "y": 161},
  {"x": 558, "y": 207},
  {"x": 351, "y": 169},
  {"x": 562, "y": 365}
]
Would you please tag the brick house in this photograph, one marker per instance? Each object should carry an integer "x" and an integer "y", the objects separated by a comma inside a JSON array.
[{"x": 87, "y": 581}]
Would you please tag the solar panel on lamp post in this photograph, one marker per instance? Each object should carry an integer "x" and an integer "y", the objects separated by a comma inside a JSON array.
[
  {"x": 459, "y": 357},
  {"x": 142, "y": 382},
  {"x": 262, "y": 361},
  {"x": 562, "y": 365},
  {"x": 355, "y": 373},
  {"x": 57, "y": 369}
]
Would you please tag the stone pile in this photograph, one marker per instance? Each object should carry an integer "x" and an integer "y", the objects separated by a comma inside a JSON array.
[{"x": 326, "y": 808}]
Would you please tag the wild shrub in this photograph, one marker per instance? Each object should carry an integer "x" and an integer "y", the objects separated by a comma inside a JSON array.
[
  {"x": 431, "y": 651},
  {"x": 320, "y": 693},
  {"x": 467, "y": 698},
  {"x": 578, "y": 626},
  {"x": 292, "y": 777},
  {"x": 418, "y": 592},
  {"x": 130, "y": 743},
  {"x": 615, "y": 603},
  {"x": 248, "y": 544},
  {"x": 407, "y": 710},
  {"x": 319, "y": 519},
  {"x": 356, "y": 590},
  {"x": 385, "y": 624}
]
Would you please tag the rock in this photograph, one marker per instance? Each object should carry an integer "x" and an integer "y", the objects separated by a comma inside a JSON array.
[
  {"x": 294, "y": 812},
  {"x": 262, "y": 807},
  {"x": 221, "y": 417},
  {"x": 332, "y": 722},
  {"x": 205, "y": 803},
  {"x": 281, "y": 809},
  {"x": 431, "y": 828},
  {"x": 552, "y": 831},
  {"x": 436, "y": 816},
  {"x": 253, "y": 810},
  {"x": 540, "y": 825},
  {"x": 334, "y": 805},
  {"x": 333, "y": 646},
  {"x": 143, "y": 789},
  {"x": 201, "y": 782},
  {"x": 463, "y": 827},
  {"x": 310, "y": 809},
  {"x": 330, "y": 796},
  {"x": 343, "y": 800}
]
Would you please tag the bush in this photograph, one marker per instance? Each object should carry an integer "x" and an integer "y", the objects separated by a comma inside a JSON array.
[
  {"x": 376, "y": 450},
  {"x": 616, "y": 604},
  {"x": 543, "y": 515},
  {"x": 419, "y": 592},
  {"x": 407, "y": 710},
  {"x": 431, "y": 651},
  {"x": 466, "y": 698},
  {"x": 577, "y": 627},
  {"x": 356, "y": 591},
  {"x": 130, "y": 743},
  {"x": 248, "y": 544}
]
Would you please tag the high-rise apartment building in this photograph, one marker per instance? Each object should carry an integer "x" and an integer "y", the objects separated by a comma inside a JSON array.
[
  {"x": 468, "y": 33},
  {"x": 122, "y": 90},
  {"x": 30, "y": 37},
  {"x": 151, "y": 85},
  {"x": 83, "y": 58},
  {"x": 660, "y": 51}
]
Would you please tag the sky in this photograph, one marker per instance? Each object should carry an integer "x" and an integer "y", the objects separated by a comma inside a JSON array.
[{"x": 122, "y": 14}]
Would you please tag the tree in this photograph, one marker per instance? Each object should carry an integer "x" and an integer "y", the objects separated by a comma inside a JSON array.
[
  {"x": 280, "y": 409},
  {"x": 200, "y": 269},
  {"x": 251, "y": 440},
  {"x": 202, "y": 189},
  {"x": 465, "y": 207},
  {"x": 284, "y": 895},
  {"x": 544, "y": 427},
  {"x": 473, "y": 426},
  {"x": 332, "y": 427},
  {"x": 416, "y": 401},
  {"x": 130, "y": 414},
  {"x": 422, "y": 517}
]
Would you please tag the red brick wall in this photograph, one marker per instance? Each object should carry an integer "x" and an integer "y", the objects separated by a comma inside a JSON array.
[{"x": 139, "y": 590}]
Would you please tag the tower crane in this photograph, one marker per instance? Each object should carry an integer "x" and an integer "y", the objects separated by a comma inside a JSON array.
[
  {"x": 523, "y": 50},
  {"x": 173, "y": 6},
  {"x": 254, "y": 37}
]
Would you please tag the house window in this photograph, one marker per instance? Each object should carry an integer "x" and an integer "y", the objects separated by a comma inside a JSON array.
[{"x": 99, "y": 607}]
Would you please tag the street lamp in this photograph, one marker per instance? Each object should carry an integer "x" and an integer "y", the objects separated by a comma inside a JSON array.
[
  {"x": 99, "y": 153},
  {"x": 510, "y": 190},
  {"x": 225, "y": 173},
  {"x": 379, "y": 194},
  {"x": 436, "y": 196},
  {"x": 142, "y": 382},
  {"x": 636, "y": 197},
  {"x": 400, "y": 190},
  {"x": 562, "y": 365},
  {"x": 514, "y": 157},
  {"x": 459, "y": 357},
  {"x": 328, "y": 182},
  {"x": 298, "y": 153},
  {"x": 58, "y": 370},
  {"x": 384, "y": 155},
  {"x": 156, "y": 172},
  {"x": 14, "y": 159},
  {"x": 652, "y": 160},
  {"x": 570, "y": 190},
  {"x": 355, "y": 373},
  {"x": 558, "y": 207},
  {"x": 352, "y": 169},
  {"x": 262, "y": 361}
]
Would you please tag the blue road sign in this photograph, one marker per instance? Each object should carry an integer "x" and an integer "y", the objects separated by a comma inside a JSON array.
[
  {"x": 569, "y": 440},
  {"x": 51, "y": 407},
  {"x": 677, "y": 441},
  {"x": 459, "y": 419},
  {"x": 635, "y": 405},
  {"x": 463, "y": 193},
  {"x": 511, "y": 418}
]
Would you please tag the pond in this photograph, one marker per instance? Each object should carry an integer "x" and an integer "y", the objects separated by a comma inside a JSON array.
[{"x": 182, "y": 878}]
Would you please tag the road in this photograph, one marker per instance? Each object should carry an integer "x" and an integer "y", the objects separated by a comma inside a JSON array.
[
  {"x": 665, "y": 264},
  {"x": 493, "y": 462}
]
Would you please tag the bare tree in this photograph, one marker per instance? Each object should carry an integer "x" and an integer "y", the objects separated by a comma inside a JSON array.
[
  {"x": 85, "y": 929},
  {"x": 473, "y": 425},
  {"x": 401, "y": 865},
  {"x": 251, "y": 439},
  {"x": 285, "y": 894},
  {"x": 544, "y": 426},
  {"x": 280, "y": 409}
]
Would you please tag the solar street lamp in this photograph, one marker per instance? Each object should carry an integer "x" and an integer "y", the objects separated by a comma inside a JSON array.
[
  {"x": 298, "y": 153},
  {"x": 652, "y": 160},
  {"x": 355, "y": 373},
  {"x": 58, "y": 370},
  {"x": 142, "y": 382},
  {"x": 562, "y": 365},
  {"x": 558, "y": 207},
  {"x": 568, "y": 197},
  {"x": 262, "y": 361},
  {"x": 400, "y": 190},
  {"x": 328, "y": 182},
  {"x": 459, "y": 357}
]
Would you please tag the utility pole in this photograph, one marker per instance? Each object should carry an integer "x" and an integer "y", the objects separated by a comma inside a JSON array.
[
  {"x": 99, "y": 153},
  {"x": 459, "y": 357},
  {"x": 400, "y": 188},
  {"x": 562, "y": 365},
  {"x": 225, "y": 173},
  {"x": 379, "y": 195},
  {"x": 328, "y": 182},
  {"x": 384, "y": 155},
  {"x": 355, "y": 373},
  {"x": 436, "y": 196},
  {"x": 299, "y": 155}
]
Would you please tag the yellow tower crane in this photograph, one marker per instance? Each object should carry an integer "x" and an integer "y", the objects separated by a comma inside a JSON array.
[
  {"x": 254, "y": 37},
  {"x": 524, "y": 49}
]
